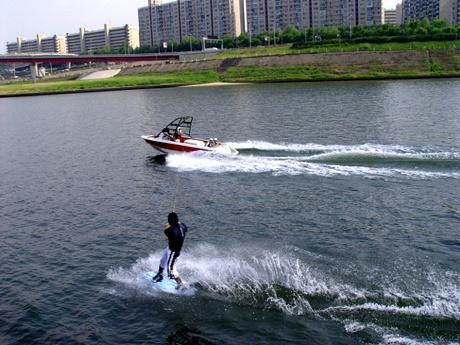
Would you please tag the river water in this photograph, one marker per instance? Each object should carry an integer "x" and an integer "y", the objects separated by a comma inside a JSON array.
[{"x": 338, "y": 223}]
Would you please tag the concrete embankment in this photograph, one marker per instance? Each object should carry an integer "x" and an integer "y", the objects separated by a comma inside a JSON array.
[
  {"x": 99, "y": 74},
  {"x": 359, "y": 61}
]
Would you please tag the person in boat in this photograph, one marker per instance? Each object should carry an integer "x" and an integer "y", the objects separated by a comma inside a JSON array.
[
  {"x": 175, "y": 231},
  {"x": 165, "y": 134},
  {"x": 212, "y": 142},
  {"x": 178, "y": 133}
]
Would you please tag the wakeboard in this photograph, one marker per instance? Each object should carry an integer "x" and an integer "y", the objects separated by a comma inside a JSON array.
[{"x": 168, "y": 285}]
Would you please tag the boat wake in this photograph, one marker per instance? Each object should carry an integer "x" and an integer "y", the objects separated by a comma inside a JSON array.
[
  {"x": 367, "y": 160},
  {"x": 274, "y": 280}
]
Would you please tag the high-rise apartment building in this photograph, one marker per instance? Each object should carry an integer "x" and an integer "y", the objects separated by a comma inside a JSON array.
[
  {"x": 394, "y": 16},
  {"x": 55, "y": 44},
  {"x": 123, "y": 35},
  {"x": 267, "y": 16},
  {"x": 81, "y": 42},
  {"x": 448, "y": 9},
  {"x": 86, "y": 41},
  {"x": 76, "y": 42},
  {"x": 431, "y": 9},
  {"x": 12, "y": 47},
  {"x": 457, "y": 12},
  {"x": 303, "y": 14},
  {"x": 160, "y": 22},
  {"x": 390, "y": 17}
]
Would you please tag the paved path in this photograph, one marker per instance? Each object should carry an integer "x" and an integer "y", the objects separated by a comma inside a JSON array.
[{"x": 100, "y": 74}]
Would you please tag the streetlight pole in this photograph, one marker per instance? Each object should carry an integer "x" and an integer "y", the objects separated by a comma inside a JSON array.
[
  {"x": 351, "y": 16},
  {"x": 250, "y": 42}
]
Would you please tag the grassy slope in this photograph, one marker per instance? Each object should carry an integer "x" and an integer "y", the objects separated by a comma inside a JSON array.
[
  {"x": 258, "y": 73},
  {"x": 63, "y": 84},
  {"x": 284, "y": 49},
  {"x": 434, "y": 65},
  {"x": 304, "y": 73}
]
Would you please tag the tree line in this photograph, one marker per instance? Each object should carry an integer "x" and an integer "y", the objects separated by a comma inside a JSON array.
[{"x": 416, "y": 30}]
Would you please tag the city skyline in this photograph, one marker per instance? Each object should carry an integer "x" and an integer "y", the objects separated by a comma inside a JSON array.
[{"x": 38, "y": 17}]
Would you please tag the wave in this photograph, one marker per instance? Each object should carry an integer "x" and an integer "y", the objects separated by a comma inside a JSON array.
[
  {"x": 278, "y": 280},
  {"x": 367, "y": 160}
]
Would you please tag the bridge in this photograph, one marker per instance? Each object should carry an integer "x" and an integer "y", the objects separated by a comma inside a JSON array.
[
  {"x": 34, "y": 59},
  {"x": 63, "y": 58}
]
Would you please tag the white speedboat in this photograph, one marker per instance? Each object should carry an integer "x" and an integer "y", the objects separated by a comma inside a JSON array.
[{"x": 176, "y": 138}]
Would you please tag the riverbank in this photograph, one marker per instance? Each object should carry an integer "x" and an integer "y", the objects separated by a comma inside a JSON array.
[{"x": 300, "y": 67}]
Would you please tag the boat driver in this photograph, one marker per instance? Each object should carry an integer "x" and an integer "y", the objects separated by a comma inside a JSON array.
[
  {"x": 165, "y": 134},
  {"x": 178, "y": 133}
]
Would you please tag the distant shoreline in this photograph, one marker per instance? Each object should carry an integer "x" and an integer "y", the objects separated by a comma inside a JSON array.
[
  {"x": 288, "y": 68},
  {"x": 166, "y": 86}
]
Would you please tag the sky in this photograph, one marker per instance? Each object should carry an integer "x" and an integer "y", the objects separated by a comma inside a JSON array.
[{"x": 27, "y": 18}]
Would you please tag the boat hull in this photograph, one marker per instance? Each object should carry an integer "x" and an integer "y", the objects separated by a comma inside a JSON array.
[{"x": 189, "y": 145}]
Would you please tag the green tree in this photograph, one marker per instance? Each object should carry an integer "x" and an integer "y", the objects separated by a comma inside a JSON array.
[
  {"x": 173, "y": 45},
  {"x": 412, "y": 26},
  {"x": 290, "y": 34},
  {"x": 229, "y": 42},
  {"x": 420, "y": 31},
  {"x": 243, "y": 40},
  {"x": 143, "y": 48},
  {"x": 440, "y": 23},
  {"x": 256, "y": 41},
  {"x": 359, "y": 31},
  {"x": 330, "y": 33},
  {"x": 104, "y": 50},
  {"x": 425, "y": 23},
  {"x": 188, "y": 43},
  {"x": 125, "y": 48},
  {"x": 277, "y": 36},
  {"x": 310, "y": 34}
]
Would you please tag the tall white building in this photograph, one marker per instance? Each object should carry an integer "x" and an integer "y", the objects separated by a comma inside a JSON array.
[
  {"x": 86, "y": 41},
  {"x": 123, "y": 34},
  {"x": 44, "y": 44},
  {"x": 80, "y": 42}
]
